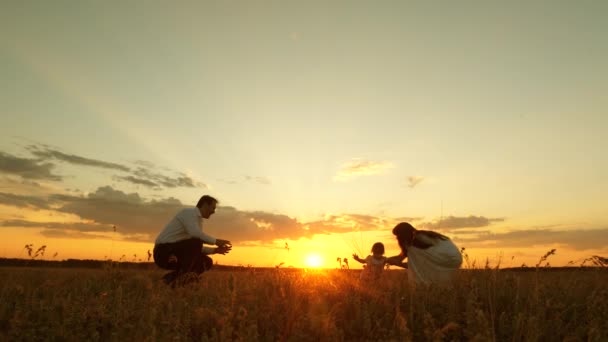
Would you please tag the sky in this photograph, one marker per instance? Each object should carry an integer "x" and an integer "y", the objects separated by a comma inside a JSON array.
[{"x": 318, "y": 125}]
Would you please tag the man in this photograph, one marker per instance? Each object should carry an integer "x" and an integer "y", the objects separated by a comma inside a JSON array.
[{"x": 179, "y": 246}]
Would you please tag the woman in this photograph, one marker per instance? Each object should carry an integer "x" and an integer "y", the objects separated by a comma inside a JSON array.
[{"x": 432, "y": 257}]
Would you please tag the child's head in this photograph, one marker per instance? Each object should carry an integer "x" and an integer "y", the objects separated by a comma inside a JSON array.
[{"x": 378, "y": 248}]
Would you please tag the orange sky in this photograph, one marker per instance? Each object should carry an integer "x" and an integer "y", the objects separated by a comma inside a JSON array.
[{"x": 319, "y": 125}]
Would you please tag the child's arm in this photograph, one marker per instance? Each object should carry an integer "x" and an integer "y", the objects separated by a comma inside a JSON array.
[{"x": 356, "y": 257}]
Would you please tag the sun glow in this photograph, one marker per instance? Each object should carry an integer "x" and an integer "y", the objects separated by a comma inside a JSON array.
[{"x": 313, "y": 261}]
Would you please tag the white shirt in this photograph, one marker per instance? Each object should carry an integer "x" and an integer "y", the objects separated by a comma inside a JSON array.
[{"x": 187, "y": 224}]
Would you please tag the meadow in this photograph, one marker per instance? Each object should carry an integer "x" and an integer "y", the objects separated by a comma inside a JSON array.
[{"x": 123, "y": 304}]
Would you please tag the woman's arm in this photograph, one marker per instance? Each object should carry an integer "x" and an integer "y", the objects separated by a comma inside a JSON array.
[{"x": 397, "y": 260}]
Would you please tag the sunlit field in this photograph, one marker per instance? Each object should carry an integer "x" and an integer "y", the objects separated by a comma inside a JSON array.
[{"x": 122, "y": 304}]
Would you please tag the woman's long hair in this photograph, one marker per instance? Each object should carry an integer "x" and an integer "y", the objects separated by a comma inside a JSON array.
[{"x": 407, "y": 236}]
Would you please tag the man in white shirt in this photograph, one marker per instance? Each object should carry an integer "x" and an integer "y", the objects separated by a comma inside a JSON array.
[{"x": 179, "y": 246}]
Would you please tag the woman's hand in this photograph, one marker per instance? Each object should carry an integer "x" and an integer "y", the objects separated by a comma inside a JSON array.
[{"x": 396, "y": 260}]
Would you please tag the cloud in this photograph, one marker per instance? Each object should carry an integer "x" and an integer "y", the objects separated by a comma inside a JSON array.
[
  {"x": 349, "y": 223},
  {"x": 27, "y": 168},
  {"x": 129, "y": 212},
  {"x": 246, "y": 179},
  {"x": 138, "y": 181},
  {"x": 257, "y": 179},
  {"x": 227, "y": 181},
  {"x": 412, "y": 181},
  {"x": 74, "y": 230},
  {"x": 407, "y": 219},
  {"x": 357, "y": 167},
  {"x": 574, "y": 239},
  {"x": 236, "y": 225},
  {"x": 454, "y": 222},
  {"x": 144, "y": 163},
  {"x": 44, "y": 152},
  {"x": 140, "y": 219},
  {"x": 70, "y": 234},
  {"x": 262, "y": 227},
  {"x": 471, "y": 232},
  {"x": 134, "y": 215},
  {"x": 142, "y": 176},
  {"x": 23, "y": 201},
  {"x": 137, "y": 219},
  {"x": 76, "y": 226}
]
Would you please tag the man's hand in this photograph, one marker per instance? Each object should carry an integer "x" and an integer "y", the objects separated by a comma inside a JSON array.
[
  {"x": 223, "y": 249},
  {"x": 221, "y": 243}
]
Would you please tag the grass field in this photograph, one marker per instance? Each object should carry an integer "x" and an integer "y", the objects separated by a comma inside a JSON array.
[{"x": 119, "y": 304}]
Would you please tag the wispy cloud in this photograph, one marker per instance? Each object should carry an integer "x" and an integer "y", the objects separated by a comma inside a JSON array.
[
  {"x": 137, "y": 181},
  {"x": 412, "y": 181},
  {"x": 257, "y": 179},
  {"x": 129, "y": 212},
  {"x": 346, "y": 223},
  {"x": 143, "y": 176},
  {"x": 106, "y": 207},
  {"x": 408, "y": 219},
  {"x": 358, "y": 167},
  {"x": 45, "y": 153},
  {"x": 27, "y": 168},
  {"x": 246, "y": 179},
  {"x": 455, "y": 222},
  {"x": 135, "y": 217},
  {"x": 139, "y": 219},
  {"x": 237, "y": 225},
  {"x": 574, "y": 239},
  {"x": 70, "y": 234},
  {"x": 76, "y": 226},
  {"x": 24, "y": 201}
]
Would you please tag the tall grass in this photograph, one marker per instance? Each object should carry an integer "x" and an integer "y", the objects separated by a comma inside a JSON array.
[{"x": 297, "y": 305}]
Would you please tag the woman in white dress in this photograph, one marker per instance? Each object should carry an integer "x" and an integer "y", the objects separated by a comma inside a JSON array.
[{"x": 432, "y": 257}]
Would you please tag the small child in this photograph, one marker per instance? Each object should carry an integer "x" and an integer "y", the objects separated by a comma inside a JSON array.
[{"x": 374, "y": 264}]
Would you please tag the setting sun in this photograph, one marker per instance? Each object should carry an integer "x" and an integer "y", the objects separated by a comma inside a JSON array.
[{"x": 313, "y": 261}]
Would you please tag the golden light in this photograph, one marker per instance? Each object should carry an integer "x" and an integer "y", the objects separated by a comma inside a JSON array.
[{"x": 313, "y": 261}]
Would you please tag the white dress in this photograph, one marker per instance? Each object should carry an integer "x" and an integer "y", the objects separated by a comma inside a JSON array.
[
  {"x": 434, "y": 265},
  {"x": 373, "y": 268}
]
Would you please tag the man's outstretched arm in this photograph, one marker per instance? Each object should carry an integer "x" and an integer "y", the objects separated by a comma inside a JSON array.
[{"x": 225, "y": 249}]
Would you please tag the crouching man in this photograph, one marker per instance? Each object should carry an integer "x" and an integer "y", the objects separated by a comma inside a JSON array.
[{"x": 179, "y": 246}]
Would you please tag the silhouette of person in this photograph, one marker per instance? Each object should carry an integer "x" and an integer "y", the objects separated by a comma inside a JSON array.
[
  {"x": 179, "y": 246},
  {"x": 432, "y": 257}
]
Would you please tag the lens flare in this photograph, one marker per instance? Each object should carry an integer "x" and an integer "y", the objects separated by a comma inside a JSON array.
[{"x": 313, "y": 261}]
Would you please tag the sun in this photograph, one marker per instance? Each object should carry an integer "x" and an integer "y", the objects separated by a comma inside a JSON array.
[{"x": 313, "y": 261}]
